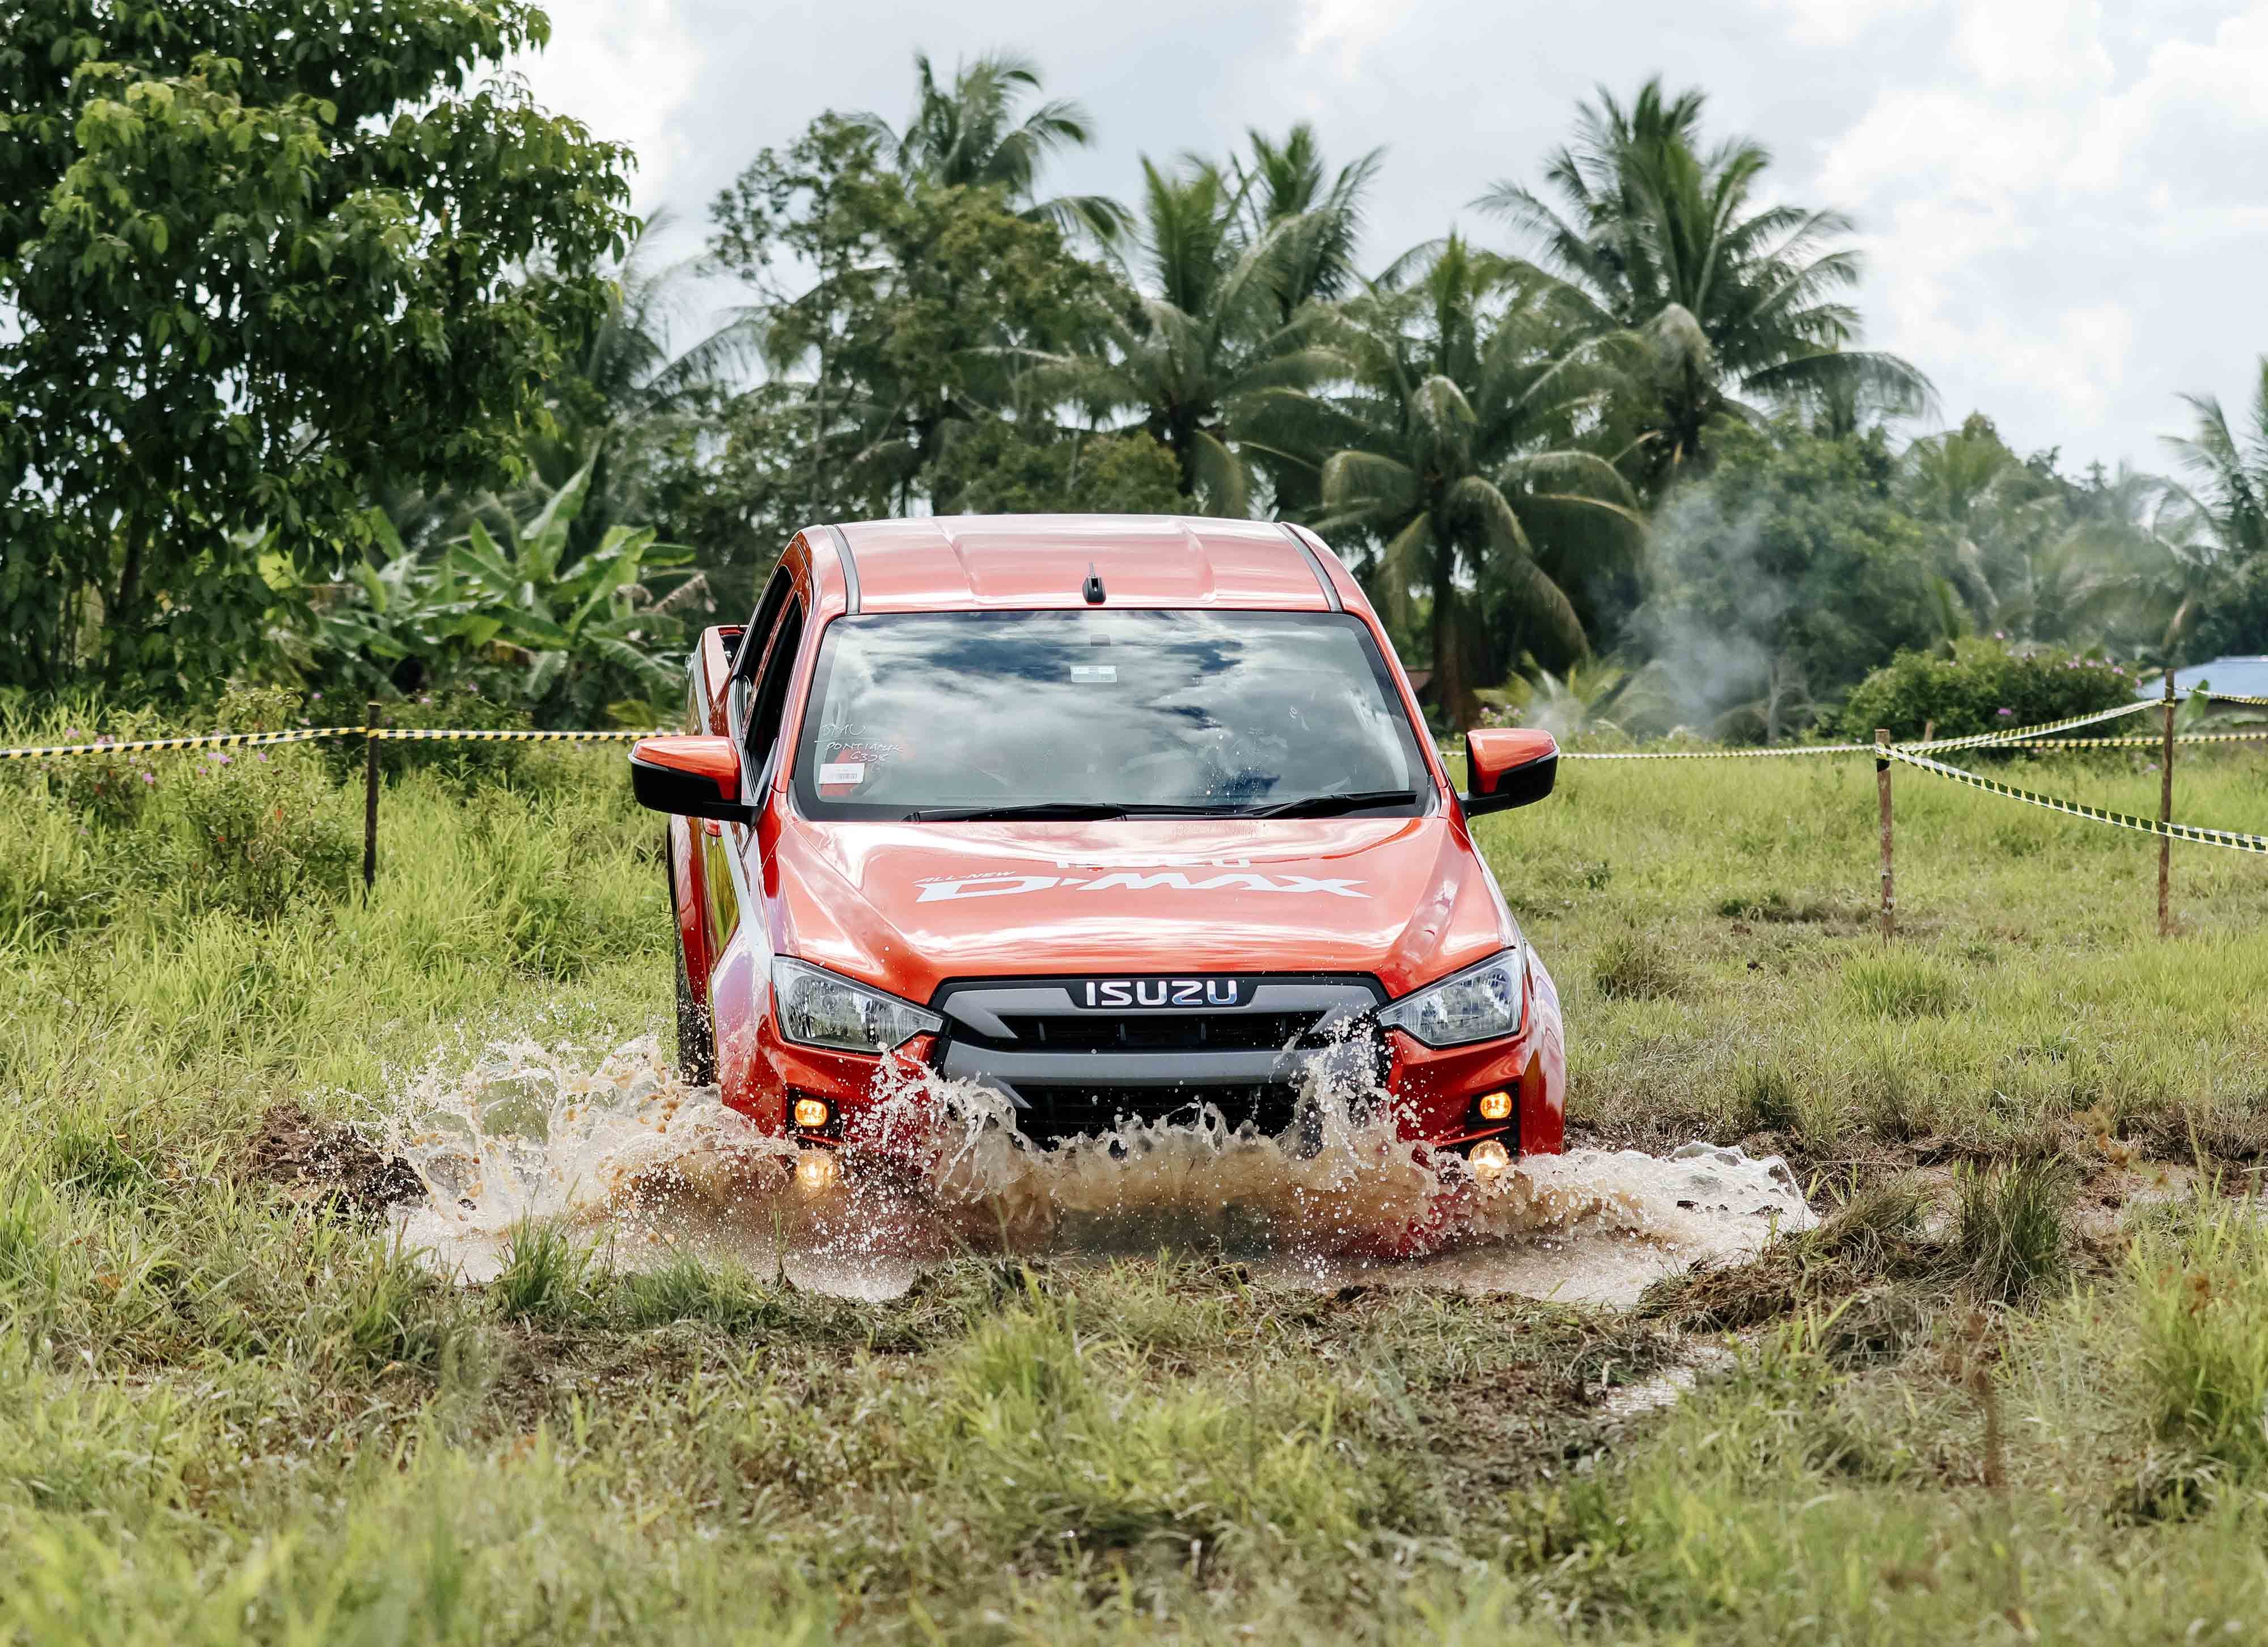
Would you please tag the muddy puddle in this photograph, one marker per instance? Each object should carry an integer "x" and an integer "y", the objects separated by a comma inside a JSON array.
[{"x": 647, "y": 1168}]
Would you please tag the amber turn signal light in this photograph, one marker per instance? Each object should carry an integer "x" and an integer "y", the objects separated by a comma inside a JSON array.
[
  {"x": 810, "y": 1113},
  {"x": 1496, "y": 1105},
  {"x": 1488, "y": 1158}
]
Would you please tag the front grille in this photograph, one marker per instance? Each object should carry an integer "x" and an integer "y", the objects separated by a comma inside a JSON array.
[
  {"x": 1075, "y": 1070},
  {"x": 1153, "y": 1032},
  {"x": 1056, "y": 1112}
]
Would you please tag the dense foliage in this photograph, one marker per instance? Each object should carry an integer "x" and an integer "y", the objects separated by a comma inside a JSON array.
[
  {"x": 1984, "y": 686},
  {"x": 1639, "y": 439},
  {"x": 257, "y": 261}
]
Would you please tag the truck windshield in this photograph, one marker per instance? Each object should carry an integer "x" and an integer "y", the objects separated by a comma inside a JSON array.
[{"x": 1098, "y": 714}]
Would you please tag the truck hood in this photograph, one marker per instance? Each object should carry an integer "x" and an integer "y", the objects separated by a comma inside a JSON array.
[{"x": 907, "y": 907}]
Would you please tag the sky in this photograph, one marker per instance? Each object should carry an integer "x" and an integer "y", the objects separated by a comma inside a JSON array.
[{"x": 2063, "y": 204}]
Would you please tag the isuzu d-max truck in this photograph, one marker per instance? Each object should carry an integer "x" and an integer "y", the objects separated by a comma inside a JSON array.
[{"x": 1120, "y": 816}]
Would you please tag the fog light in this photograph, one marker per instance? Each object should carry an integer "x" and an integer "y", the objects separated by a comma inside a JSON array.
[
  {"x": 816, "y": 1169},
  {"x": 810, "y": 1113},
  {"x": 1488, "y": 1160},
  {"x": 1496, "y": 1105}
]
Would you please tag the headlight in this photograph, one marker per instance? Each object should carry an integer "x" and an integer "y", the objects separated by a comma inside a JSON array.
[
  {"x": 1479, "y": 1004},
  {"x": 818, "y": 1008}
]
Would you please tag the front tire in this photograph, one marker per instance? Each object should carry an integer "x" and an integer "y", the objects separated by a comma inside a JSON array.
[{"x": 696, "y": 1033}]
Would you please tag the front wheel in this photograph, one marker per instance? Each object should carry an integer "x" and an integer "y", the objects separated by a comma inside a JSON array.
[{"x": 696, "y": 1034}]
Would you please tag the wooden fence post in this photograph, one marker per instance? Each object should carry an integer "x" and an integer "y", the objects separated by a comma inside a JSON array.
[
  {"x": 1883, "y": 786},
  {"x": 369, "y": 800},
  {"x": 2165, "y": 815}
]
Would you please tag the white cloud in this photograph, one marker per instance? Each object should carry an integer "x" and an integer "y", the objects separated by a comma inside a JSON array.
[
  {"x": 1349, "y": 29},
  {"x": 1836, "y": 22},
  {"x": 625, "y": 69},
  {"x": 2050, "y": 46}
]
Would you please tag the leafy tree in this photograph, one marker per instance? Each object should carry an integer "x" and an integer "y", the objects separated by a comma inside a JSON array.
[
  {"x": 968, "y": 136},
  {"x": 1782, "y": 579},
  {"x": 1736, "y": 299},
  {"x": 900, "y": 308},
  {"x": 259, "y": 260},
  {"x": 1457, "y": 453},
  {"x": 1003, "y": 469}
]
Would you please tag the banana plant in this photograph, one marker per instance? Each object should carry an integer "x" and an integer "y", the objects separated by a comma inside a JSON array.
[
  {"x": 570, "y": 637},
  {"x": 586, "y": 633}
]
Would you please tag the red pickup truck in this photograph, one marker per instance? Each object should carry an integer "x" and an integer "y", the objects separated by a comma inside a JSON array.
[{"x": 1119, "y": 817}]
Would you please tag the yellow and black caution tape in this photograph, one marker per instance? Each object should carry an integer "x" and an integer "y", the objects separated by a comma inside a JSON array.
[
  {"x": 1712, "y": 754},
  {"x": 308, "y": 734},
  {"x": 2145, "y": 742},
  {"x": 2124, "y": 820},
  {"x": 424, "y": 734},
  {"x": 215, "y": 740},
  {"x": 1985, "y": 740},
  {"x": 2211, "y": 696}
]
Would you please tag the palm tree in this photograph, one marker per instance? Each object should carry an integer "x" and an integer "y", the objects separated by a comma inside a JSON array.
[
  {"x": 2229, "y": 498},
  {"x": 1288, "y": 182},
  {"x": 1655, "y": 237},
  {"x": 1190, "y": 353},
  {"x": 1455, "y": 452},
  {"x": 968, "y": 135},
  {"x": 1286, "y": 190}
]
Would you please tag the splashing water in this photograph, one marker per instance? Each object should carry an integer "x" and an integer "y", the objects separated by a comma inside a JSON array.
[{"x": 621, "y": 1150}]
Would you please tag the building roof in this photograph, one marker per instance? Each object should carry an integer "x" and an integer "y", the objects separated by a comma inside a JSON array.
[{"x": 1026, "y": 560}]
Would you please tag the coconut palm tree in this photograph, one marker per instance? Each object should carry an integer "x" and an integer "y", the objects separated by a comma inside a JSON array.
[
  {"x": 1738, "y": 301},
  {"x": 1288, "y": 182},
  {"x": 973, "y": 133},
  {"x": 2227, "y": 498},
  {"x": 1286, "y": 190},
  {"x": 1199, "y": 341},
  {"x": 1456, "y": 451}
]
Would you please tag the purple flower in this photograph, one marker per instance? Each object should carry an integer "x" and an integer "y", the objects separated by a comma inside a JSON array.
[
  {"x": 2004, "y": 711},
  {"x": 224, "y": 760},
  {"x": 263, "y": 755},
  {"x": 149, "y": 777}
]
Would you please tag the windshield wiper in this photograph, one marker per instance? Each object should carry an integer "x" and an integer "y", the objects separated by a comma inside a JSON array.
[
  {"x": 1013, "y": 809},
  {"x": 1332, "y": 805}
]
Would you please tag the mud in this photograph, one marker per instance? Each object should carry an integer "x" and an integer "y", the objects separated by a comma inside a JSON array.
[
  {"x": 327, "y": 1163},
  {"x": 619, "y": 1149}
]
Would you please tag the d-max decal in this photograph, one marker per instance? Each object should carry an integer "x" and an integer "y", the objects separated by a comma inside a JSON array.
[{"x": 945, "y": 889}]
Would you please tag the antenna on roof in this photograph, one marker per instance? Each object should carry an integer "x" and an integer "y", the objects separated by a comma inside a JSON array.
[{"x": 1093, "y": 588}]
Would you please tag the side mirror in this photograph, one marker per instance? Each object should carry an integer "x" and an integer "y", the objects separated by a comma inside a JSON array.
[
  {"x": 1508, "y": 766},
  {"x": 690, "y": 778}
]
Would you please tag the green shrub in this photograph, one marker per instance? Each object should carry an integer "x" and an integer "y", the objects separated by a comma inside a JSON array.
[
  {"x": 463, "y": 707},
  {"x": 2008, "y": 1227},
  {"x": 262, "y": 827},
  {"x": 1982, "y": 688}
]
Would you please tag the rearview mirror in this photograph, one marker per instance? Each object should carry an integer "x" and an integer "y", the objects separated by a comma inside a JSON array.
[
  {"x": 1508, "y": 766},
  {"x": 690, "y": 778}
]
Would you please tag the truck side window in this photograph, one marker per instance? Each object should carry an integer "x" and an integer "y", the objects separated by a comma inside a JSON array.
[
  {"x": 770, "y": 696},
  {"x": 749, "y": 657}
]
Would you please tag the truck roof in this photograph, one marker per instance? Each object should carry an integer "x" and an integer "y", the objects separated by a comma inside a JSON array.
[{"x": 971, "y": 561}]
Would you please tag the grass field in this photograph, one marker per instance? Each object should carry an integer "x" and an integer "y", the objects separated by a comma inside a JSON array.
[{"x": 2018, "y": 1387}]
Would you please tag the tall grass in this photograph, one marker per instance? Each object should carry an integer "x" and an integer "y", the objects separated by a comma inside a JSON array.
[{"x": 225, "y": 1415}]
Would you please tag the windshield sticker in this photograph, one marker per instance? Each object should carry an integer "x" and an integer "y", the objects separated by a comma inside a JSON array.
[
  {"x": 943, "y": 889},
  {"x": 1095, "y": 674},
  {"x": 843, "y": 774}
]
